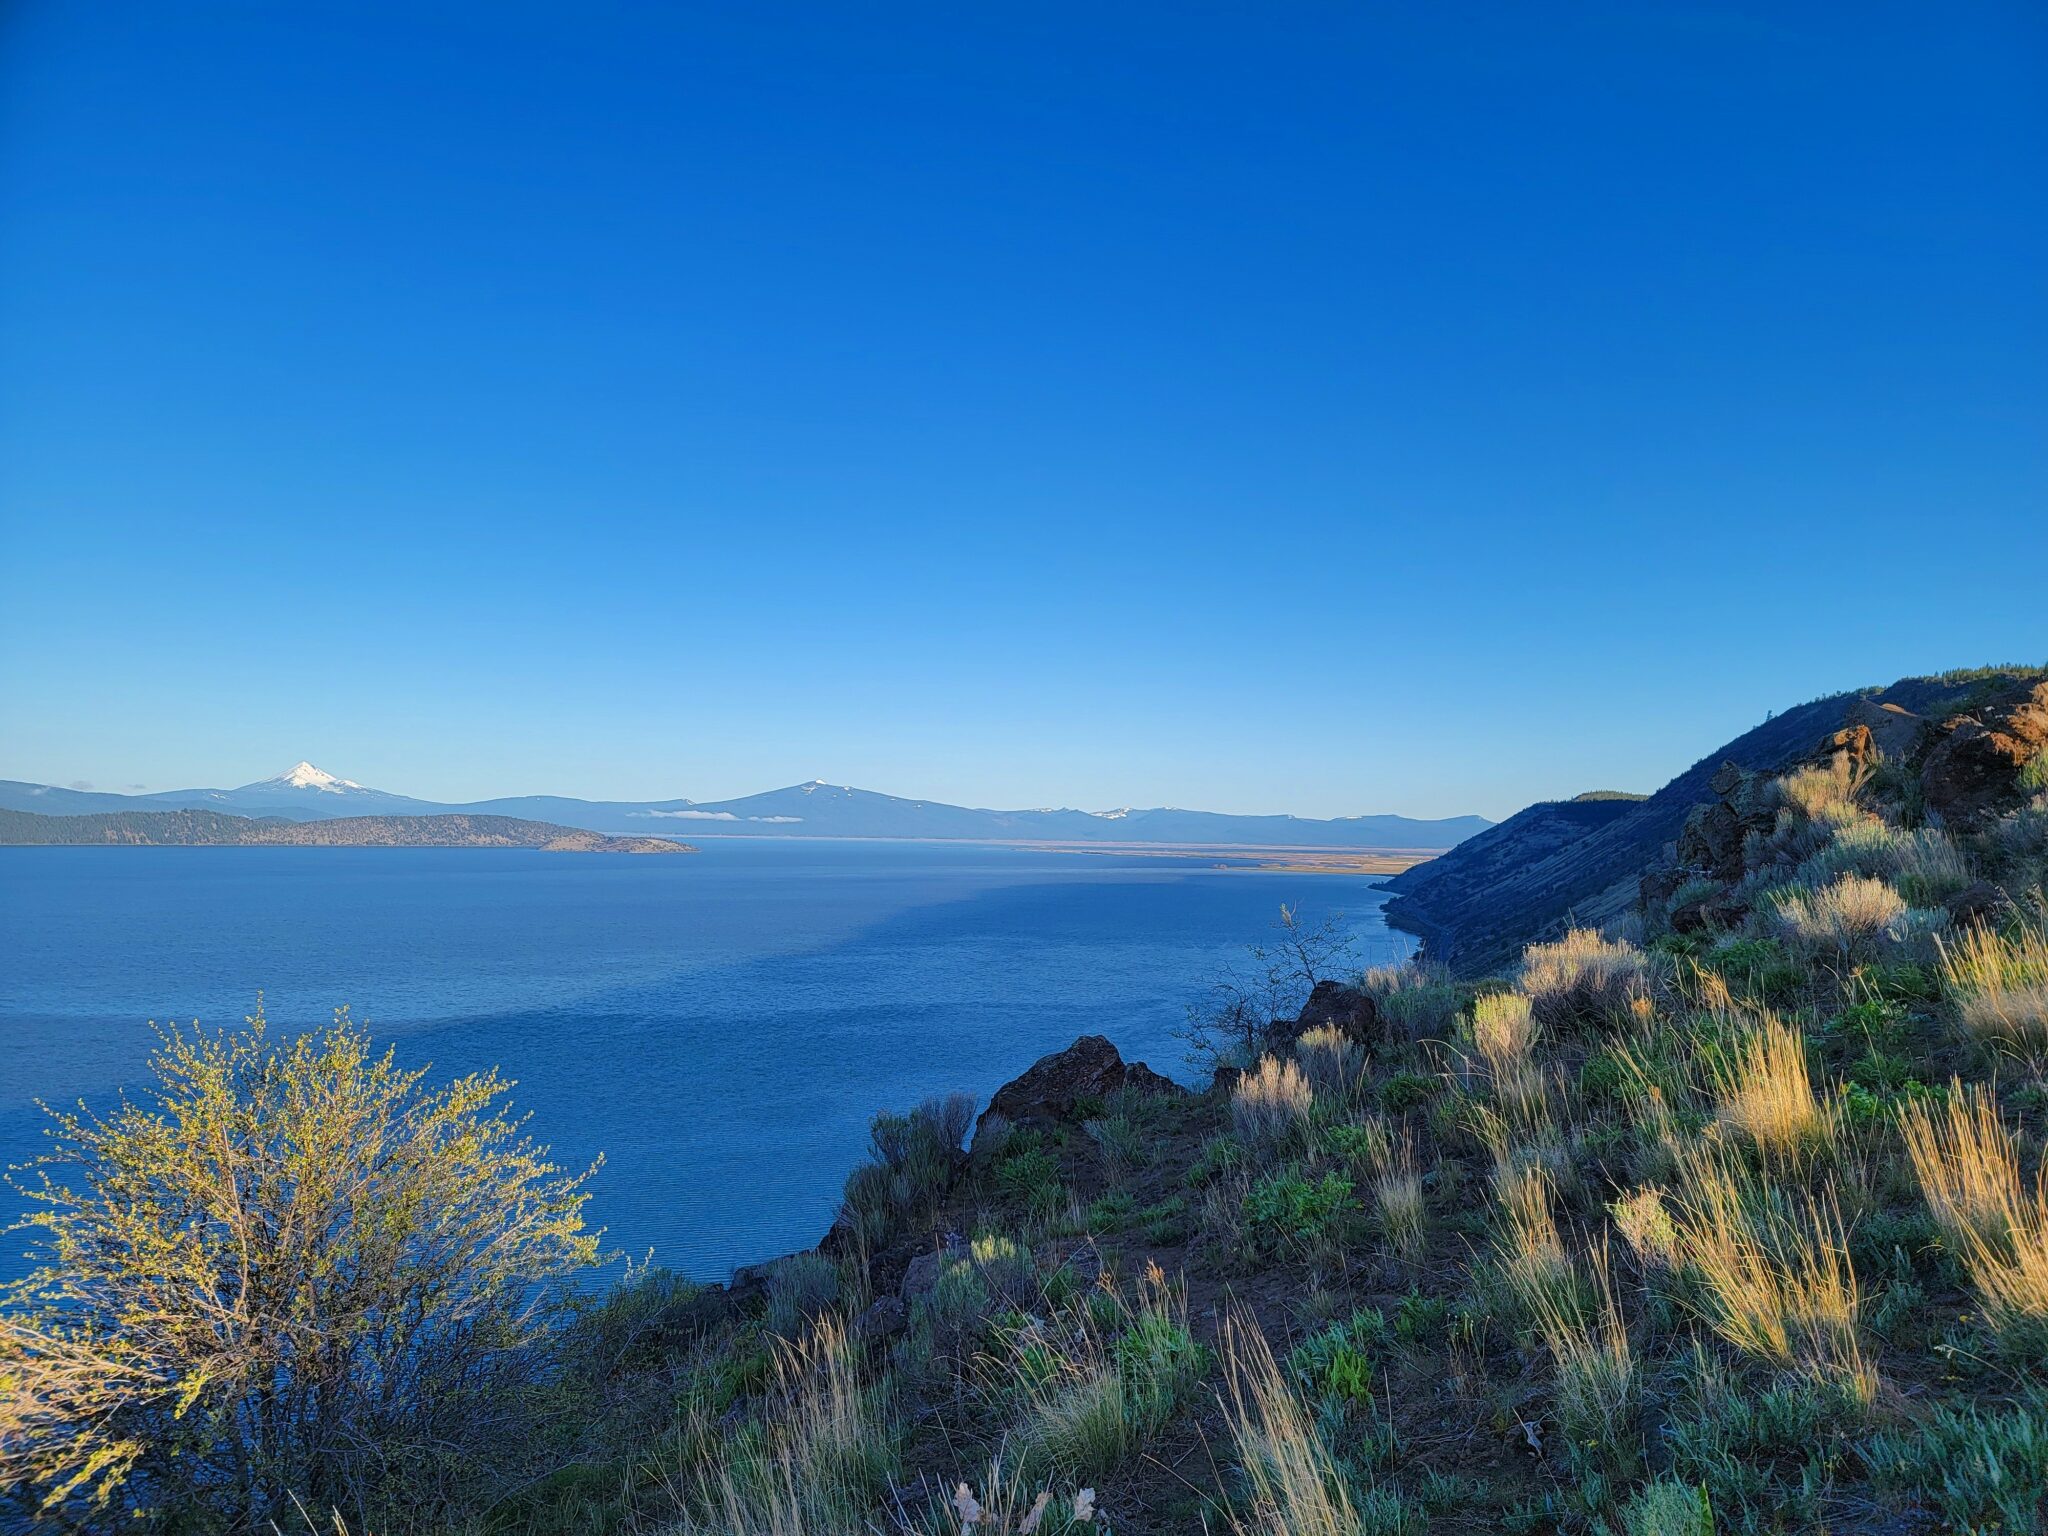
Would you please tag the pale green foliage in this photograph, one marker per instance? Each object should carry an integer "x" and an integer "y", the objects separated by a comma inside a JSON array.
[
  {"x": 914, "y": 1159},
  {"x": 1292, "y": 1481},
  {"x": 1667, "y": 1507},
  {"x": 1582, "y": 978},
  {"x": 812, "y": 1465},
  {"x": 1845, "y": 917},
  {"x": 1086, "y": 1387},
  {"x": 1333, "y": 1063},
  {"x": 800, "y": 1288},
  {"x": 1419, "y": 1001},
  {"x": 298, "y": 1269}
]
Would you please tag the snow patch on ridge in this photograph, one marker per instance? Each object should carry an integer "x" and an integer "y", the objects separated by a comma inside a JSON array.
[{"x": 303, "y": 775}]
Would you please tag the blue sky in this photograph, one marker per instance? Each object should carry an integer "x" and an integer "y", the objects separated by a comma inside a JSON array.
[{"x": 1313, "y": 408}]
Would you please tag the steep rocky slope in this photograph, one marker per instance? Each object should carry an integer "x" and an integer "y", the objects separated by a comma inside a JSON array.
[{"x": 1477, "y": 905}]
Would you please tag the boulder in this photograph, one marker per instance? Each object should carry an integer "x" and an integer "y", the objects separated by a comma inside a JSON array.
[
  {"x": 1973, "y": 770},
  {"x": 1711, "y": 841},
  {"x": 1090, "y": 1068},
  {"x": 1853, "y": 742},
  {"x": 921, "y": 1276},
  {"x": 1661, "y": 883},
  {"x": 884, "y": 1319},
  {"x": 1331, "y": 1004},
  {"x": 1980, "y": 902},
  {"x": 1713, "y": 913},
  {"x": 750, "y": 1281},
  {"x": 1690, "y": 917}
]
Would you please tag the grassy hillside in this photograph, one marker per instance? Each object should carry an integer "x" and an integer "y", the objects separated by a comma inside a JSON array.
[
  {"x": 212, "y": 829},
  {"x": 1534, "y": 874},
  {"x": 1731, "y": 1218}
]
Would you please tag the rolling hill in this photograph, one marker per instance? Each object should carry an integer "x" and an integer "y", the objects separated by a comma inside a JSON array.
[{"x": 1477, "y": 905}]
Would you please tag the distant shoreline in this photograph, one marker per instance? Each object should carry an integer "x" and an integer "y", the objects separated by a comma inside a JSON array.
[
  {"x": 1243, "y": 858},
  {"x": 212, "y": 829},
  {"x": 1255, "y": 856}
]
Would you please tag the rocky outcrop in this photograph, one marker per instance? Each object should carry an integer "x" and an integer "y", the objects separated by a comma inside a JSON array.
[
  {"x": 1049, "y": 1089},
  {"x": 1974, "y": 769},
  {"x": 1335, "y": 1005},
  {"x": 1522, "y": 881}
]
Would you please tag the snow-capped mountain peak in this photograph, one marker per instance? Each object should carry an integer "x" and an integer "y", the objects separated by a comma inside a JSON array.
[{"x": 304, "y": 775}]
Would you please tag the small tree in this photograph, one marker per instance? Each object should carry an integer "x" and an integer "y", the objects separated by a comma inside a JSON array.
[
  {"x": 1243, "y": 1004},
  {"x": 297, "y": 1273}
]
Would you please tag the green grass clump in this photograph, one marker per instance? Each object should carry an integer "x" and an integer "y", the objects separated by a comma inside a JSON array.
[
  {"x": 1980, "y": 1470},
  {"x": 1286, "y": 1212},
  {"x": 1338, "y": 1361}
]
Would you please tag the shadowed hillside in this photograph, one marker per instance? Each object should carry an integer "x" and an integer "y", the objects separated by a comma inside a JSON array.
[{"x": 1477, "y": 905}]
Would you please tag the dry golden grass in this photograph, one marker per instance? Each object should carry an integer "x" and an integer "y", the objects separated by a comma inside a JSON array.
[
  {"x": 1531, "y": 1249},
  {"x": 1825, "y": 794},
  {"x": 1765, "y": 1092},
  {"x": 1644, "y": 1222},
  {"x": 1333, "y": 1063},
  {"x": 1398, "y": 1197},
  {"x": 2000, "y": 985},
  {"x": 1965, "y": 1159},
  {"x": 1968, "y": 1166},
  {"x": 1776, "y": 1268},
  {"x": 1505, "y": 1033},
  {"x": 1843, "y": 917},
  {"x": 1292, "y": 1482},
  {"x": 1271, "y": 1104},
  {"x": 1583, "y": 977},
  {"x": 1596, "y": 1371}
]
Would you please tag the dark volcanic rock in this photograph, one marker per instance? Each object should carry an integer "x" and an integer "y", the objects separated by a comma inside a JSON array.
[
  {"x": 886, "y": 1318},
  {"x": 1711, "y": 841},
  {"x": 1853, "y": 742},
  {"x": 1090, "y": 1068},
  {"x": 922, "y": 1273},
  {"x": 1336, "y": 1004},
  {"x": 1973, "y": 769},
  {"x": 1981, "y": 902}
]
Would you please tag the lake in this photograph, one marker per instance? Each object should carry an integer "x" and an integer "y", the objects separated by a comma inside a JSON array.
[{"x": 722, "y": 1026}]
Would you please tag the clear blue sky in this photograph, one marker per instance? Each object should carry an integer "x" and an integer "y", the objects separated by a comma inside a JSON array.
[{"x": 1319, "y": 408}]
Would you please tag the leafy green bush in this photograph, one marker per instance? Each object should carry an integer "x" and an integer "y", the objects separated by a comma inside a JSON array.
[
  {"x": 294, "y": 1268},
  {"x": 1286, "y": 1211},
  {"x": 1406, "y": 1090},
  {"x": 1338, "y": 1361},
  {"x": 1028, "y": 1176}
]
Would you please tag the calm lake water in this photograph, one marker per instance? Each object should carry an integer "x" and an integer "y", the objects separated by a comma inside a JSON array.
[{"x": 721, "y": 1026}]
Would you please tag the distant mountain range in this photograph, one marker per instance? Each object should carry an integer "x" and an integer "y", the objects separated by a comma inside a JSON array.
[{"x": 816, "y": 809}]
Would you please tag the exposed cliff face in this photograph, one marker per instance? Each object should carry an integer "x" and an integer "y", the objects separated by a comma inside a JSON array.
[{"x": 1479, "y": 904}]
